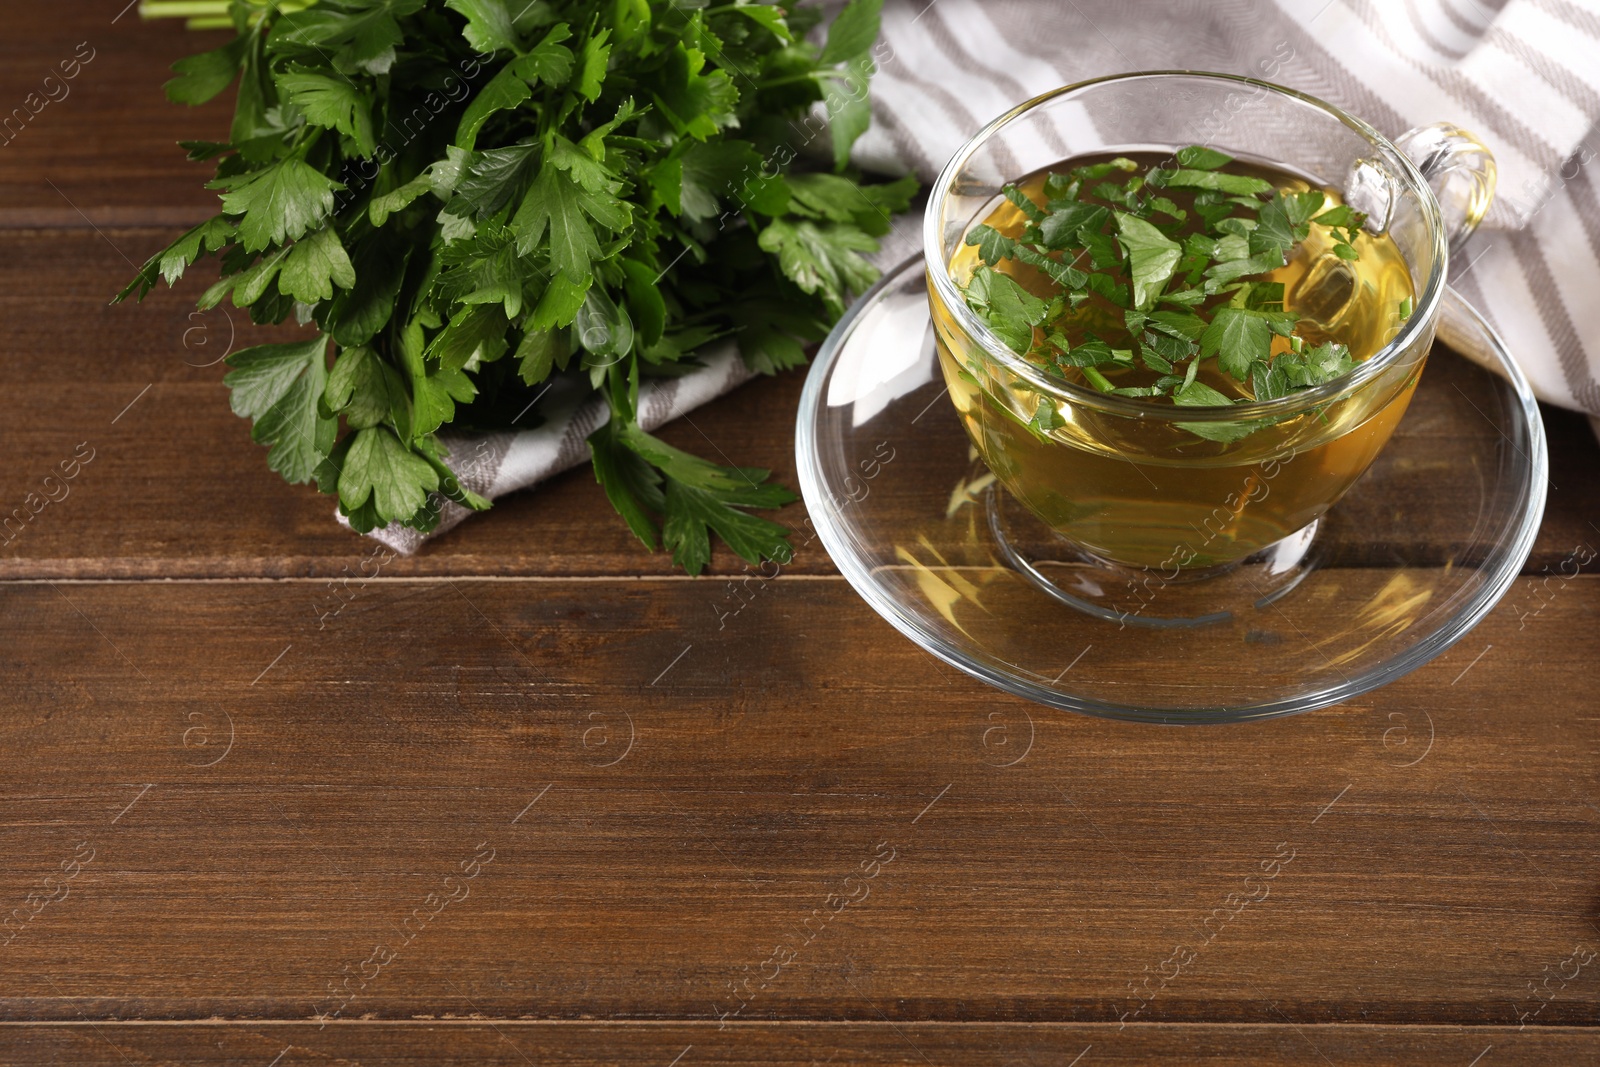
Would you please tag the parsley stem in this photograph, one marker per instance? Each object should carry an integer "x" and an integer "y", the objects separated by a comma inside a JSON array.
[
  {"x": 1098, "y": 380},
  {"x": 178, "y": 9},
  {"x": 792, "y": 79}
]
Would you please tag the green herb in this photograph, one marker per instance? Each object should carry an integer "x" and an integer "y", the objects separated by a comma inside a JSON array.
[
  {"x": 1183, "y": 286},
  {"x": 471, "y": 198},
  {"x": 1152, "y": 257}
]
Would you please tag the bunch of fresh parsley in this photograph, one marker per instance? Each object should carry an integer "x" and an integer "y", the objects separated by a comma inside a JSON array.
[
  {"x": 1169, "y": 287},
  {"x": 468, "y": 198}
]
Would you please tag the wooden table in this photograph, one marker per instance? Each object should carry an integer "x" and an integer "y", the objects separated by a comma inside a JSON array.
[{"x": 522, "y": 799}]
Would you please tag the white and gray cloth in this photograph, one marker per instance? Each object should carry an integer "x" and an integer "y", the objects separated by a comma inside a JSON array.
[
  {"x": 494, "y": 464},
  {"x": 1521, "y": 75}
]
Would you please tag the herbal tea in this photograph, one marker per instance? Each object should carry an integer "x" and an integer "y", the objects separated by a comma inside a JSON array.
[{"x": 1189, "y": 281}]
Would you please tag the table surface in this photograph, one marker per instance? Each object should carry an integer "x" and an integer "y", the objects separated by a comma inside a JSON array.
[{"x": 533, "y": 797}]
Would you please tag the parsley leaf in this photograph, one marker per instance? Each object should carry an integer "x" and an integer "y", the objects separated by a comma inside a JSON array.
[
  {"x": 490, "y": 27},
  {"x": 505, "y": 91},
  {"x": 362, "y": 388},
  {"x": 700, "y": 497},
  {"x": 852, "y": 33},
  {"x": 1152, "y": 256},
  {"x": 1201, "y": 395},
  {"x": 361, "y": 38},
  {"x": 1315, "y": 366},
  {"x": 314, "y": 266},
  {"x": 1235, "y": 184},
  {"x": 203, "y": 76},
  {"x": 571, "y": 212},
  {"x": 1237, "y": 338},
  {"x": 822, "y": 259},
  {"x": 169, "y": 264},
  {"x": 278, "y": 386},
  {"x": 693, "y": 512},
  {"x": 378, "y": 467},
  {"x": 279, "y": 203},
  {"x": 1198, "y": 157},
  {"x": 491, "y": 179},
  {"x": 993, "y": 246},
  {"x": 335, "y": 103},
  {"x": 1062, "y": 226},
  {"x": 1010, "y": 310},
  {"x": 630, "y": 483},
  {"x": 1046, "y": 417}
]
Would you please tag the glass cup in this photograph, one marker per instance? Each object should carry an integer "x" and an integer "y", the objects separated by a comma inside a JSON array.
[{"x": 1153, "y": 493}]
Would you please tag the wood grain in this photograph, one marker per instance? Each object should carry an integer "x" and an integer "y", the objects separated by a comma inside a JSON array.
[
  {"x": 667, "y": 803},
  {"x": 99, "y": 148},
  {"x": 516, "y": 1043}
]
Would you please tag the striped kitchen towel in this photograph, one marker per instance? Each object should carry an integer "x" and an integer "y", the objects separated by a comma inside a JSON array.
[
  {"x": 494, "y": 464},
  {"x": 1520, "y": 74}
]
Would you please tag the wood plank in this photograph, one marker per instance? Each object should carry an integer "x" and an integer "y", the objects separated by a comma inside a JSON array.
[
  {"x": 670, "y": 803},
  {"x": 99, "y": 148},
  {"x": 515, "y": 1043},
  {"x": 178, "y": 457}
]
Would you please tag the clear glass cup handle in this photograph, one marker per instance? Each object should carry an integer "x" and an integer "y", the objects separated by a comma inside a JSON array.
[{"x": 1460, "y": 170}]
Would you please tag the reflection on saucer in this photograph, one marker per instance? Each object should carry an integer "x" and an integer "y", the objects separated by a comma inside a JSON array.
[{"x": 896, "y": 356}]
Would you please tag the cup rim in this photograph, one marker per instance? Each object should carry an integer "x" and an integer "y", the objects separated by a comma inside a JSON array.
[{"x": 1424, "y": 311}]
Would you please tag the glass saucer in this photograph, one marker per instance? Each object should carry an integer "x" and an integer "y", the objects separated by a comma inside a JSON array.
[{"x": 1415, "y": 554}]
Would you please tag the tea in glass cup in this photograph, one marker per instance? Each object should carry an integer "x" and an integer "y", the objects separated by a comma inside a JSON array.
[{"x": 1178, "y": 356}]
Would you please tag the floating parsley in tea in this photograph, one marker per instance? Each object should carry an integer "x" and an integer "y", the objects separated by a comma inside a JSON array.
[
  {"x": 1194, "y": 278},
  {"x": 1186, "y": 280}
]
